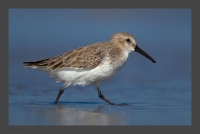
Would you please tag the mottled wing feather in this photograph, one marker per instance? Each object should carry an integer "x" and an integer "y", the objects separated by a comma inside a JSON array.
[
  {"x": 36, "y": 63},
  {"x": 83, "y": 57}
]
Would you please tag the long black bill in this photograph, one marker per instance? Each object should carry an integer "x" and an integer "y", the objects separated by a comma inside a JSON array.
[{"x": 139, "y": 50}]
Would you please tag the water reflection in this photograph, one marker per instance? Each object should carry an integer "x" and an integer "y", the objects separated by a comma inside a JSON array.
[
  {"x": 75, "y": 116},
  {"x": 72, "y": 114}
]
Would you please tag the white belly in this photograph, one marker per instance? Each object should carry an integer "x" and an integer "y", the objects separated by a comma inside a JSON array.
[{"x": 86, "y": 76}]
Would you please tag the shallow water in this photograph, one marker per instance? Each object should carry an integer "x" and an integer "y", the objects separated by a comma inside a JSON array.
[
  {"x": 155, "y": 94},
  {"x": 144, "y": 111}
]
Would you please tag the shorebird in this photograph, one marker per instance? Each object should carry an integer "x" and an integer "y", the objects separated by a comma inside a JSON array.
[{"x": 90, "y": 64}]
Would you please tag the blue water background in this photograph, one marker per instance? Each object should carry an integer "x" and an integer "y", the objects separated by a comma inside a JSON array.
[{"x": 157, "y": 94}]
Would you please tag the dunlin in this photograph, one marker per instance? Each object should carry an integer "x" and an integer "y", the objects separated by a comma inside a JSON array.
[{"x": 90, "y": 64}]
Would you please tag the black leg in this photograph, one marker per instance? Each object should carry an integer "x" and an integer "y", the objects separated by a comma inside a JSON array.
[
  {"x": 58, "y": 96},
  {"x": 102, "y": 97},
  {"x": 60, "y": 93}
]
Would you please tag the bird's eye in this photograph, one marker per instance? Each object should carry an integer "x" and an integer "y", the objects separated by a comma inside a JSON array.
[{"x": 128, "y": 40}]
